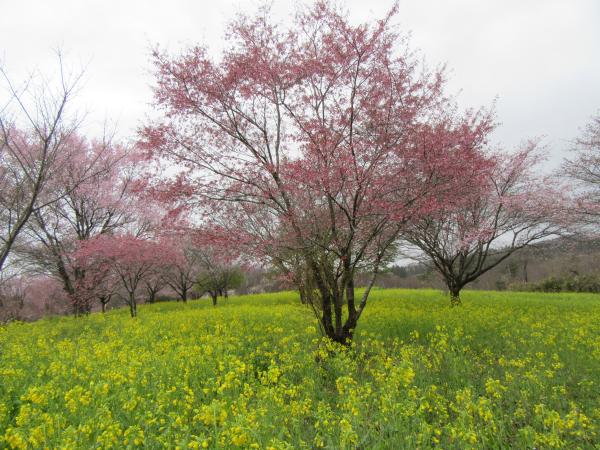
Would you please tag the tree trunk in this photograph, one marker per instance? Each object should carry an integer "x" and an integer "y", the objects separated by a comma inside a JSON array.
[
  {"x": 326, "y": 318},
  {"x": 455, "y": 297},
  {"x": 454, "y": 285},
  {"x": 339, "y": 333},
  {"x": 184, "y": 293},
  {"x": 213, "y": 296},
  {"x": 132, "y": 305},
  {"x": 338, "y": 298},
  {"x": 337, "y": 324},
  {"x": 351, "y": 321},
  {"x": 9, "y": 241},
  {"x": 303, "y": 297},
  {"x": 81, "y": 306}
]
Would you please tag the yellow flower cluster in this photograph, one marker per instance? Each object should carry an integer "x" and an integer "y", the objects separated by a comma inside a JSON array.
[{"x": 502, "y": 371}]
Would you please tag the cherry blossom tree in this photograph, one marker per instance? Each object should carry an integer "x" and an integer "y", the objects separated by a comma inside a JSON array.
[
  {"x": 37, "y": 135},
  {"x": 30, "y": 297},
  {"x": 155, "y": 282},
  {"x": 131, "y": 259},
  {"x": 508, "y": 209},
  {"x": 307, "y": 142},
  {"x": 584, "y": 170},
  {"x": 216, "y": 272},
  {"x": 183, "y": 273},
  {"x": 96, "y": 282},
  {"x": 12, "y": 299},
  {"x": 44, "y": 295}
]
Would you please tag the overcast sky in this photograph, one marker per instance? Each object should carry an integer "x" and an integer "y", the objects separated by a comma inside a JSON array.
[{"x": 539, "y": 58}]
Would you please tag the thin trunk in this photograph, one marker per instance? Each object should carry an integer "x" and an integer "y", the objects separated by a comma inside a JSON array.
[
  {"x": 326, "y": 318},
  {"x": 12, "y": 237},
  {"x": 332, "y": 303},
  {"x": 132, "y": 305},
  {"x": 303, "y": 297},
  {"x": 337, "y": 310},
  {"x": 350, "y": 296},
  {"x": 348, "y": 330},
  {"x": 152, "y": 297},
  {"x": 104, "y": 299}
]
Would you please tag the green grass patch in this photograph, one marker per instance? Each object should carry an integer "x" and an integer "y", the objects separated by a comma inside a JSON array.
[{"x": 505, "y": 370}]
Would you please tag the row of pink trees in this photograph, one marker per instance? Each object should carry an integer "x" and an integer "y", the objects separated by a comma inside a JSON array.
[
  {"x": 126, "y": 260},
  {"x": 29, "y": 297},
  {"x": 62, "y": 194},
  {"x": 100, "y": 237},
  {"x": 322, "y": 145},
  {"x": 131, "y": 263}
]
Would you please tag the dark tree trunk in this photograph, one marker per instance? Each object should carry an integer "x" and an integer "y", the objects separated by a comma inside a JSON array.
[
  {"x": 213, "y": 296},
  {"x": 81, "y": 306},
  {"x": 132, "y": 305},
  {"x": 104, "y": 299},
  {"x": 334, "y": 293},
  {"x": 338, "y": 298},
  {"x": 454, "y": 291},
  {"x": 303, "y": 298},
  {"x": 332, "y": 316},
  {"x": 455, "y": 299},
  {"x": 454, "y": 283},
  {"x": 184, "y": 295},
  {"x": 326, "y": 318},
  {"x": 352, "y": 320},
  {"x": 76, "y": 309},
  {"x": 18, "y": 226}
]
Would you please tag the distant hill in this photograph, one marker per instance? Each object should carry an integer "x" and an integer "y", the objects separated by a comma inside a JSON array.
[{"x": 556, "y": 257}]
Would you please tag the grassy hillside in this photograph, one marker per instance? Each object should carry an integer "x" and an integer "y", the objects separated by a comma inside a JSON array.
[{"x": 504, "y": 370}]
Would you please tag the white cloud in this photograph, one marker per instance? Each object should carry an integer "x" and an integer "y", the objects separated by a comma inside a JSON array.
[{"x": 539, "y": 57}]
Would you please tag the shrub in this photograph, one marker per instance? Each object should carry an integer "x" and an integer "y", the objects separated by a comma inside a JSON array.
[{"x": 562, "y": 283}]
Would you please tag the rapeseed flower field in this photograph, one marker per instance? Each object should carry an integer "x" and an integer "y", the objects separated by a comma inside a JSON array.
[{"x": 505, "y": 370}]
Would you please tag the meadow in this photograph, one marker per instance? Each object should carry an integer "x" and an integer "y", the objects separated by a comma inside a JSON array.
[{"x": 505, "y": 370}]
